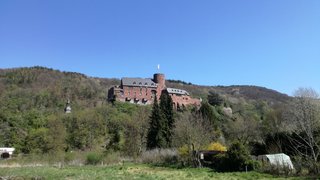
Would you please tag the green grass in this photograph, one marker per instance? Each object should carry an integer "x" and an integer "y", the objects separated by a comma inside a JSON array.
[{"x": 127, "y": 171}]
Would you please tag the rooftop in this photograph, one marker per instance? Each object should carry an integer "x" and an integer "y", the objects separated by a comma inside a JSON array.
[
  {"x": 138, "y": 82},
  {"x": 177, "y": 91}
]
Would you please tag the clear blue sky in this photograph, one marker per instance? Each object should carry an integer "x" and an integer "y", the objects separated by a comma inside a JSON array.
[{"x": 270, "y": 43}]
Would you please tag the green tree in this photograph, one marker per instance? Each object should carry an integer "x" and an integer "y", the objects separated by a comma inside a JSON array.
[
  {"x": 166, "y": 107},
  {"x": 56, "y": 135},
  {"x": 37, "y": 141},
  {"x": 238, "y": 158},
  {"x": 156, "y": 135},
  {"x": 214, "y": 99},
  {"x": 207, "y": 112}
]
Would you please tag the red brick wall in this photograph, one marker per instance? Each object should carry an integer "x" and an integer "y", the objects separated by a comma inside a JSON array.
[
  {"x": 184, "y": 100},
  {"x": 138, "y": 92}
]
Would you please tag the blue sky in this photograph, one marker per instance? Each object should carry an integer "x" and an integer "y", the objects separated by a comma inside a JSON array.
[{"x": 270, "y": 43}]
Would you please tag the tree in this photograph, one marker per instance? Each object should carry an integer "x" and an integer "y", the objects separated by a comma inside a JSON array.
[
  {"x": 214, "y": 99},
  {"x": 156, "y": 135},
  {"x": 56, "y": 135},
  {"x": 304, "y": 119},
  {"x": 243, "y": 129},
  {"x": 192, "y": 133},
  {"x": 207, "y": 112},
  {"x": 166, "y": 107},
  {"x": 238, "y": 157},
  {"x": 136, "y": 130},
  {"x": 86, "y": 129}
]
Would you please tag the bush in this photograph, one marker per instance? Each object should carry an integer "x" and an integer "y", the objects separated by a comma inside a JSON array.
[
  {"x": 215, "y": 146},
  {"x": 160, "y": 157},
  {"x": 185, "y": 156},
  {"x": 276, "y": 170},
  {"x": 93, "y": 158},
  {"x": 111, "y": 157},
  {"x": 238, "y": 158}
]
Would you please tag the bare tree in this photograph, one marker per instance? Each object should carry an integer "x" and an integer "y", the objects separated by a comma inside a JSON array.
[
  {"x": 243, "y": 129},
  {"x": 303, "y": 117},
  {"x": 193, "y": 131}
]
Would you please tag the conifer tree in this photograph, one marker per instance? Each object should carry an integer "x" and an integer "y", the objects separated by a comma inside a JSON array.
[
  {"x": 166, "y": 107},
  {"x": 155, "y": 137}
]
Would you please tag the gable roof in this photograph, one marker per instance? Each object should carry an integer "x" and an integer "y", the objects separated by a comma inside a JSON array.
[
  {"x": 140, "y": 82},
  {"x": 177, "y": 91}
]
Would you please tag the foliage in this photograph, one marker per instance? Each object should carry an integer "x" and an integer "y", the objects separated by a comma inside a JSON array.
[
  {"x": 207, "y": 112},
  {"x": 93, "y": 158},
  {"x": 214, "y": 99},
  {"x": 163, "y": 157},
  {"x": 136, "y": 131},
  {"x": 216, "y": 146},
  {"x": 33, "y": 121},
  {"x": 238, "y": 158},
  {"x": 193, "y": 131},
  {"x": 156, "y": 137},
  {"x": 166, "y": 107}
]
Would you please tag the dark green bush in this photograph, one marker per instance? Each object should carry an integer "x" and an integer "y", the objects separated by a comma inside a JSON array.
[{"x": 93, "y": 158}]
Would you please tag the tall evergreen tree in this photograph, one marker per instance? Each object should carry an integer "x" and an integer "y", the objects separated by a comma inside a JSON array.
[
  {"x": 166, "y": 107},
  {"x": 155, "y": 137}
]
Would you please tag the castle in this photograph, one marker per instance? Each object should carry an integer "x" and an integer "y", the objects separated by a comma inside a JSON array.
[{"x": 143, "y": 91}]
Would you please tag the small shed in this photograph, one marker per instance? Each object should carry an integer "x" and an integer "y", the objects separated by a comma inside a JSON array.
[{"x": 280, "y": 159}]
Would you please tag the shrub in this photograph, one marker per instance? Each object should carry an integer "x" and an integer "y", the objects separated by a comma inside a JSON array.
[
  {"x": 185, "y": 157},
  {"x": 93, "y": 158},
  {"x": 111, "y": 157},
  {"x": 160, "y": 156},
  {"x": 215, "y": 146},
  {"x": 238, "y": 158}
]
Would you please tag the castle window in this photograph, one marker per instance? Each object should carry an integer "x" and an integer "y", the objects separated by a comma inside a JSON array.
[
  {"x": 134, "y": 82},
  {"x": 140, "y": 91},
  {"x": 140, "y": 83}
]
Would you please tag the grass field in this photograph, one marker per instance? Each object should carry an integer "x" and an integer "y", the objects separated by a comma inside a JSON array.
[{"x": 127, "y": 171}]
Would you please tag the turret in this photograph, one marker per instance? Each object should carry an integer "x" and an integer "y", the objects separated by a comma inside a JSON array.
[{"x": 161, "y": 81}]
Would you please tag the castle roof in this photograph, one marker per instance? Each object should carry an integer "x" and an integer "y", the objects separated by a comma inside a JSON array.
[
  {"x": 138, "y": 82},
  {"x": 177, "y": 91}
]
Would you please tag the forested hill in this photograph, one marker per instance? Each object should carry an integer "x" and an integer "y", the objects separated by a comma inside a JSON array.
[
  {"x": 246, "y": 92},
  {"x": 46, "y": 87},
  {"x": 39, "y": 86},
  {"x": 32, "y": 118}
]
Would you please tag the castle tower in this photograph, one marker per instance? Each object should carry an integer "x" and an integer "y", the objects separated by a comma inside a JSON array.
[{"x": 161, "y": 81}]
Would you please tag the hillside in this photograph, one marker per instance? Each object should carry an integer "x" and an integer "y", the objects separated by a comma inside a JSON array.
[
  {"x": 32, "y": 102},
  {"x": 90, "y": 91},
  {"x": 236, "y": 91}
]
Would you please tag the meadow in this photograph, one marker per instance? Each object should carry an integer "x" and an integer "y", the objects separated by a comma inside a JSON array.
[{"x": 123, "y": 171}]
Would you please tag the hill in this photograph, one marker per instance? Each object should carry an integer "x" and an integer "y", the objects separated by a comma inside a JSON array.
[
  {"x": 32, "y": 118},
  {"x": 38, "y": 83}
]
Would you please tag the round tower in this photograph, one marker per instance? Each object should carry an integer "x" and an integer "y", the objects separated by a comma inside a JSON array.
[{"x": 161, "y": 81}]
